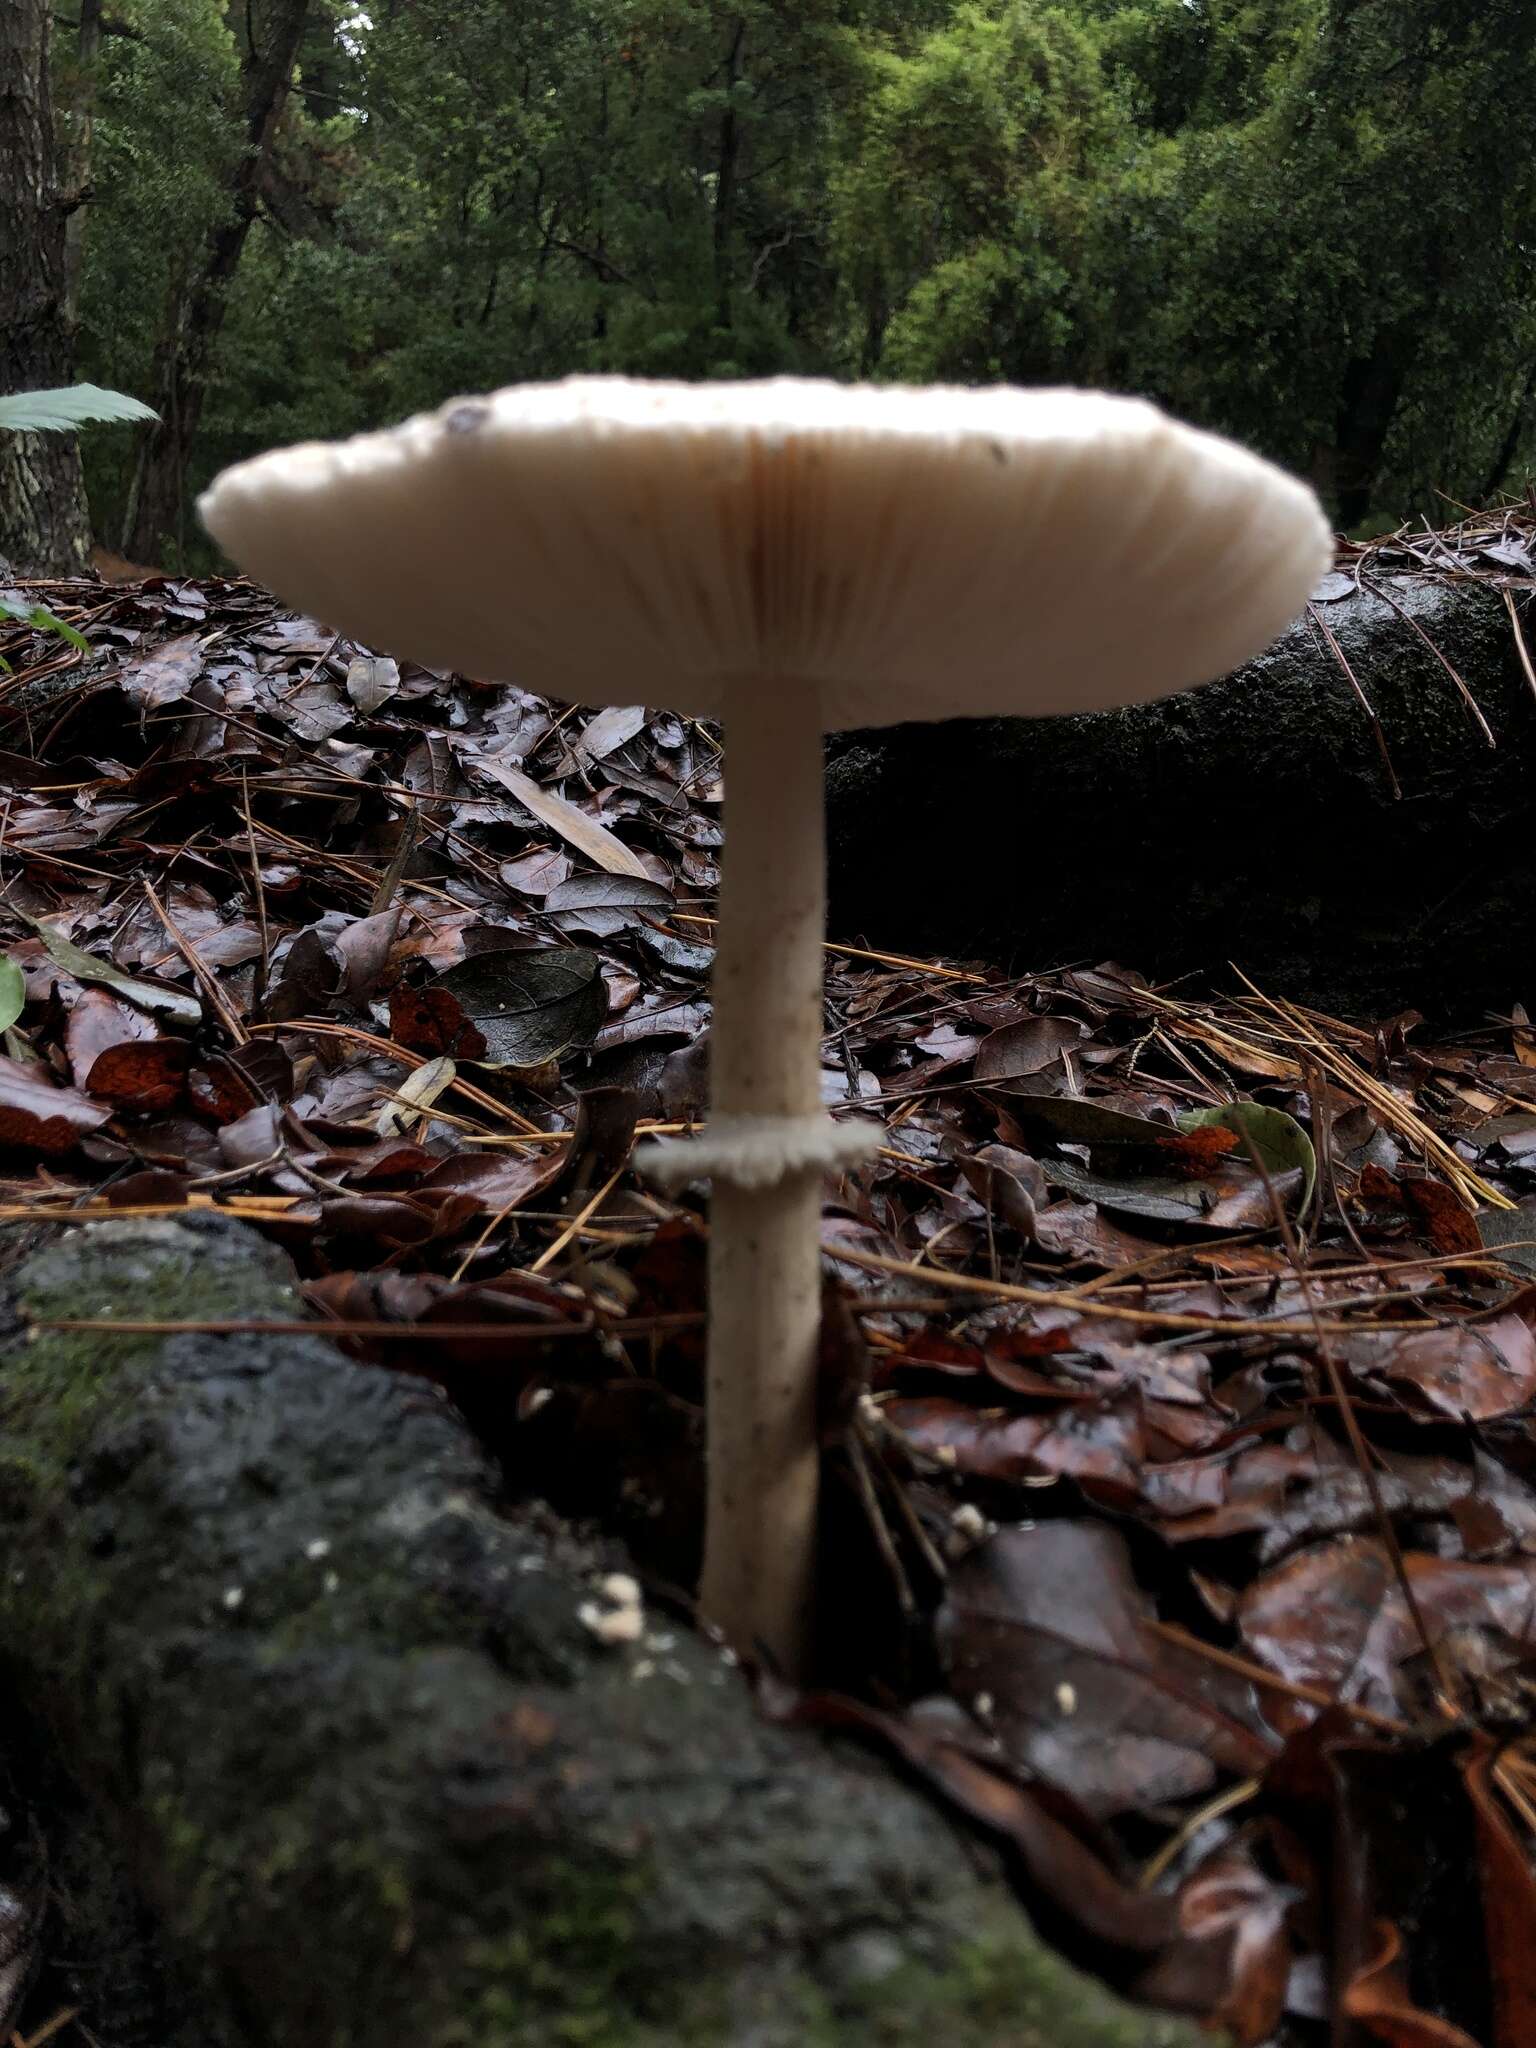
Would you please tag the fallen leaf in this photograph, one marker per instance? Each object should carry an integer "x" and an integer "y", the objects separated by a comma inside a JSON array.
[
  {"x": 530, "y": 1005},
  {"x": 148, "y": 995},
  {"x": 416, "y": 1094},
  {"x": 165, "y": 674},
  {"x": 1045, "y": 1626},
  {"x": 1333, "y": 1618},
  {"x": 1511, "y": 1233},
  {"x": 372, "y": 679},
  {"x": 431, "y": 1020},
  {"x": 604, "y": 904},
  {"x": 35, "y": 1116},
  {"x": 1018, "y": 1051},
  {"x": 1379, "y": 1999},
  {"x": 13, "y": 992},
  {"x": 1279, "y": 1140},
  {"x": 1479, "y": 1370},
  {"x": 1509, "y": 1902},
  {"x": 600, "y": 846},
  {"x": 141, "y": 1074}
]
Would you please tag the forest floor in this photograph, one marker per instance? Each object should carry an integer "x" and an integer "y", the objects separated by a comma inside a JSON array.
[{"x": 1181, "y": 1349}]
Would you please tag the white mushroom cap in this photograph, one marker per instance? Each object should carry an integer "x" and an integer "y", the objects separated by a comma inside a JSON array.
[{"x": 911, "y": 553}]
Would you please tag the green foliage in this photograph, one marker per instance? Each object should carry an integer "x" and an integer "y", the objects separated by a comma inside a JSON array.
[
  {"x": 1300, "y": 221},
  {"x": 163, "y": 149},
  {"x": 1282, "y": 1146},
  {"x": 41, "y": 620},
  {"x": 13, "y": 992},
  {"x": 1357, "y": 267},
  {"x": 964, "y": 206},
  {"x": 45, "y": 412}
]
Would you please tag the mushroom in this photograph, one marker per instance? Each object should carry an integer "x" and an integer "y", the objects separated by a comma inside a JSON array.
[{"x": 790, "y": 557}]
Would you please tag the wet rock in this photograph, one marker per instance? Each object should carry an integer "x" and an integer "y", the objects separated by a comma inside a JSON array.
[
  {"x": 1252, "y": 821},
  {"x": 380, "y": 1778}
]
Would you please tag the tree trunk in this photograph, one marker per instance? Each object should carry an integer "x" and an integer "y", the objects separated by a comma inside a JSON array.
[
  {"x": 1368, "y": 403},
  {"x": 728, "y": 166},
  {"x": 44, "y": 522},
  {"x": 1509, "y": 447},
  {"x": 75, "y": 154},
  {"x": 156, "y": 501}
]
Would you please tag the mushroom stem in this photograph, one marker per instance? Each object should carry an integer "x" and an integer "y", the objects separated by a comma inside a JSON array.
[{"x": 764, "y": 1259}]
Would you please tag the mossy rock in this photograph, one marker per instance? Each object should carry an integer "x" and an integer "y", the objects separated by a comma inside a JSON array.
[{"x": 339, "y": 1716}]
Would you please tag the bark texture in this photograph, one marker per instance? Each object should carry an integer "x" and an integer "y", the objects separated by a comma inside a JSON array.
[
  {"x": 344, "y": 1722},
  {"x": 1252, "y": 821},
  {"x": 44, "y": 522}
]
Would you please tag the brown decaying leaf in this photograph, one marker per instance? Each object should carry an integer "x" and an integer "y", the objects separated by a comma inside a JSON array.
[
  {"x": 1333, "y": 1616},
  {"x": 98, "y": 1020},
  {"x": 1378, "y": 1998},
  {"x": 430, "y": 1020},
  {"x": 1508, "y": 1884},
  {"x": 35, "y": 1116},
  {"x": 1133, "y": 1390},
  {"x": 1046, "y": 1627}
]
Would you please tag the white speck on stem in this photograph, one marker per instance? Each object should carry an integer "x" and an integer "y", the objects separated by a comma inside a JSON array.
[
  {"x": 619, "y": 1615},
  {"x": 612, "y": 1625}
]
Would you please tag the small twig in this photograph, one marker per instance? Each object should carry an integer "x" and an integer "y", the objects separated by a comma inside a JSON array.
[
  {"x": 866, "y": 953},
  {"x": 1213, "y": 1809},
  {"x": 54, "y": 2026},
  {"x": 205, "y": 980},
  {"x": 258, "y": 891},
  {"x": 1365, "y": 703},
  {"x": 1467, "y": 697},
  {"x": 1046, "y": 1297},
  {"x": 574, "y": 1227},
  {"x": 362, "y": 1326},
  {"x": 1521, "y": 649},
  {"x": 1385, "y": 1104},
  {"x": 390, "y": 880},
  {"x": 1357, "y": 1444},
  {"x": 1244, "y": 1667},
  {"x": 324, "y": 1028}
]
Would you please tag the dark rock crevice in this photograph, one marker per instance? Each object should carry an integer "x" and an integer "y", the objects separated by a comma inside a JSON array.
[{"x": 1250, "y": 821}]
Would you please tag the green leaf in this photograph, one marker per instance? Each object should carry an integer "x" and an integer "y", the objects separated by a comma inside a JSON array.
[
  {"x": 1279, "y": 1140},
  {"x": 13, "y": 992},
  {"x": 147, "y": 995},
  {"x": 44, "y": 412},
  {"x": 530, "y": 1005},
  {"x": 42, "y": 620}
]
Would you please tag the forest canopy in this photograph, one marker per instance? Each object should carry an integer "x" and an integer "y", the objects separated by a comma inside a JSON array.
[{"x": 1307, "y": 223}]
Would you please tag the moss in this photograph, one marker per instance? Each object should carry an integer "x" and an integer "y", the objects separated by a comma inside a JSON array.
[
  {"x": 57, "y": 1388},
  {"x": 567, "y": 1973},
  {"x": 420, "y": 1798},
  {"x": 570, "y": 1980},
  {"x": 999, "y": 1989}
]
